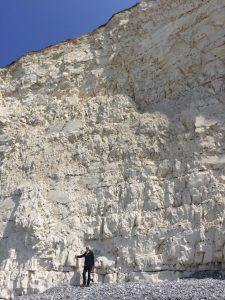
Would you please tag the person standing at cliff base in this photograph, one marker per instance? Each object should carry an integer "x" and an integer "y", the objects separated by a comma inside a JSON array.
[{"x": 88, "y": 264}]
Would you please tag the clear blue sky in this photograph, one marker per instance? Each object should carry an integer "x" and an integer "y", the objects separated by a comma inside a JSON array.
[{"x": 27, "y": 25}]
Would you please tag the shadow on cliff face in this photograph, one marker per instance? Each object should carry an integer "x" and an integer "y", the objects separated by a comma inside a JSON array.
[
  {"x": 13, "y": 244},
  {"x": 210, "y": 274},
  {"x": 14, "y": 253},
  {"x": 76, "y": 279}
]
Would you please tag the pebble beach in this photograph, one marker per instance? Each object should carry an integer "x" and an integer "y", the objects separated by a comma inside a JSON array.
[{"x": 186, "y": 289}]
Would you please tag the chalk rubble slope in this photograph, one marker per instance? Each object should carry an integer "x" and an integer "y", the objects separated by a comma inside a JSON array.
[{"x": 116, "y": 139}]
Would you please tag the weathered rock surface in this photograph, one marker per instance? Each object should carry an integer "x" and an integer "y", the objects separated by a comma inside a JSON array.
[{"x": 116, "y": 139}]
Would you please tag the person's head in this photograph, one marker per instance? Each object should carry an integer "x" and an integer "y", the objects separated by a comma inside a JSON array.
[{"x": 88, "y": 248}]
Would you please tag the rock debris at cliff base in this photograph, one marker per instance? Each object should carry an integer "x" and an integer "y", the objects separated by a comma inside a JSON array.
[{"x": 189, "y": 289}]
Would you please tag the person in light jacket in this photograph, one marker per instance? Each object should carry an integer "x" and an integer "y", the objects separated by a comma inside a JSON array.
[{"x": 88, "y": 265}]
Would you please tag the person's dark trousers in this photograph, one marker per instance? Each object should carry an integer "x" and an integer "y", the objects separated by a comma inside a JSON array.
[{"x": 87, "y": 269}]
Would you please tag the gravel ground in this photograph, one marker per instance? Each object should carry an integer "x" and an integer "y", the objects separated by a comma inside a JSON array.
[{"x": 187, "y": 289}]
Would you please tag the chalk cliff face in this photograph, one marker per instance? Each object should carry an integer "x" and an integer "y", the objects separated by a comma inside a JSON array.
[{"x": 117, "y": 140}]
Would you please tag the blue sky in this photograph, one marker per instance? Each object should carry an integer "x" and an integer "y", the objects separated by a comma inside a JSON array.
[{"x": 27, "y": 25}]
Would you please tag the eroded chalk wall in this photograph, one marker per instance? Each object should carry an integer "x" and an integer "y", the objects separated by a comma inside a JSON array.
[{"x": 117, "y": 140}]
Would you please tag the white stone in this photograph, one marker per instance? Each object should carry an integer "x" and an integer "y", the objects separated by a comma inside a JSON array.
[{"x": 122, "y": 150}]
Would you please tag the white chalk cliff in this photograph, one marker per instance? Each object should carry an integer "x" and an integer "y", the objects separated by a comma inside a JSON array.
[{"x": 117, "y": 140}]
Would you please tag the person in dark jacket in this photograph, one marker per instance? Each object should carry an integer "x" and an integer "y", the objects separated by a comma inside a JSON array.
[{"x": 88, "y": 264}]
